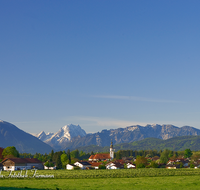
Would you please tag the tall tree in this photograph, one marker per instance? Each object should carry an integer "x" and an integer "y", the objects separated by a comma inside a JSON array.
[
  {"x": 164, "y": 156},
  {"x": 58, "y": 162},
  {"x": 64, "y": 159},
  {"x": 141, "y": 162},
  {"x": 188, "y": 153},
  {"x": 75, "y": 154},
  {"x": 51, "y": 155},
  {"x": 69, "y": 156},
  {"x": 118, "y": 155},
  {"x": 10, "y": 152}
]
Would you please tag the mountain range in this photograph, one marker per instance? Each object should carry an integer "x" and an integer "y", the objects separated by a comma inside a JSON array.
[
  {"x": 66, "y": 138},
  {"x": 73, "y": 137}
]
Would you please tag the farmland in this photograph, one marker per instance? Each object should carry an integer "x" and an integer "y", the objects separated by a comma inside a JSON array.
[{"x": 110, "y": 179}]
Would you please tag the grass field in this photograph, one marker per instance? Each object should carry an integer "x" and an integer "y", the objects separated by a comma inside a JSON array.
[
  {"x": 169, "y": 182},
  {"x": 162, "y": 179}
]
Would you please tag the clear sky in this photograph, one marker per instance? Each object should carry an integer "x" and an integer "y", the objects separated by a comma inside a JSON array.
[{"x": 101, "y": 64}]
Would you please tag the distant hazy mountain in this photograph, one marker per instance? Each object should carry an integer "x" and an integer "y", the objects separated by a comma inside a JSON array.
[
  {"x": 176, "y": 144},
  {"x": 130, "y": 134},
  {"x": 10, "y": 135},
  {"x": 64, "y": 135}
]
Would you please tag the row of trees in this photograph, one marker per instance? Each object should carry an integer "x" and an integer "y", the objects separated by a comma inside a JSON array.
[
  {"x": 163, "y": 154},
  {"x": 134, "y": 153},
  {"x": 60, "y": 158}
]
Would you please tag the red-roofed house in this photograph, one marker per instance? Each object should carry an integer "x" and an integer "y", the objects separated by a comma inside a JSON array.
[
  {"x": 13, "y": 164},
  {"x": 95, "y": 165},
  {"x": 99, "y": 157},
  {"x": 103, "y": 156}
]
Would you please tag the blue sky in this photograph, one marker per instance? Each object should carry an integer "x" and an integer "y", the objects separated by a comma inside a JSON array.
[{"x": 100, "y": 64}]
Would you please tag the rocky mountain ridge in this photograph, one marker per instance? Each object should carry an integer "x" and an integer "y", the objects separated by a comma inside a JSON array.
[
  {"x": 176, "y": 144},
  {"x": 131, "y": 134}
]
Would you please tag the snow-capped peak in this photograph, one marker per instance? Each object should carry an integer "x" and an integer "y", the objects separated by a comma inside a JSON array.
[
  {"x": 43, "y": 136},
  {"x": 65, "y": 134},
  {"x": 42, "y": 133}
]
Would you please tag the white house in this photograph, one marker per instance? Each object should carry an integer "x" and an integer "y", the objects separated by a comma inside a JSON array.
[
  {"x": 113, "y": 165},
  {"x": 70, "y": 166},
  {"x": 83, "y": 165},
  {"x": 50, "y": 168},
  {"x": 129, "y": 165}
]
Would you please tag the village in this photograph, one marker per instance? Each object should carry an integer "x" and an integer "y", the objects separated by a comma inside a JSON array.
[{"x": 101, "y": 161}]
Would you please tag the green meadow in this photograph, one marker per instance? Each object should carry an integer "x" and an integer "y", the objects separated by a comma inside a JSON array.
[
  {"x": 168, "y": 182},
  {"x": 109, "y": 179}
]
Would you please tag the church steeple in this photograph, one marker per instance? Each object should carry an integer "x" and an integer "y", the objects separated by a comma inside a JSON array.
[
  {"x": 111, "y": 150},
  {"x": 111, "y": 144}
]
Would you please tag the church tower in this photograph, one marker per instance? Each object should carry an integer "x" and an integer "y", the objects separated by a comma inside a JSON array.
[{"x": 111, "y": 150}]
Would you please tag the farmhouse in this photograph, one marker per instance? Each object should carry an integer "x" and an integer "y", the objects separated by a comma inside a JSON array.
[
  {"x": 95, "y": 165},
  {"x": 13, "y": 164}
]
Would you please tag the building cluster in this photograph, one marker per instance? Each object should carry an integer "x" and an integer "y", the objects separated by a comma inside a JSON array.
[
  {"x": 181, "y": 163},
  {"x": 97, "y": 161}
]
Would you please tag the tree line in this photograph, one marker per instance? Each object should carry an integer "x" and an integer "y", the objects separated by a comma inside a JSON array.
[{"x": 62, "y": 158}]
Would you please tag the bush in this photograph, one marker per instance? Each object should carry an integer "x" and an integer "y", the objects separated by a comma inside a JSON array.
[
  {"x": 102, "y": 167},
  {"x": 141, "y": 162},
  {"x": 192, "y": 165},
  {"x": 153, "y": 164},
  {"x": 140, "y": 165},
  {"x": 76, "y": 168}
]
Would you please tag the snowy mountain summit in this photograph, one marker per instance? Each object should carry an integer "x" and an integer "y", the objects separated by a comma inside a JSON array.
[
  {"x": 43, "y": 136},
  {"x": 65, "y": 134}
]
